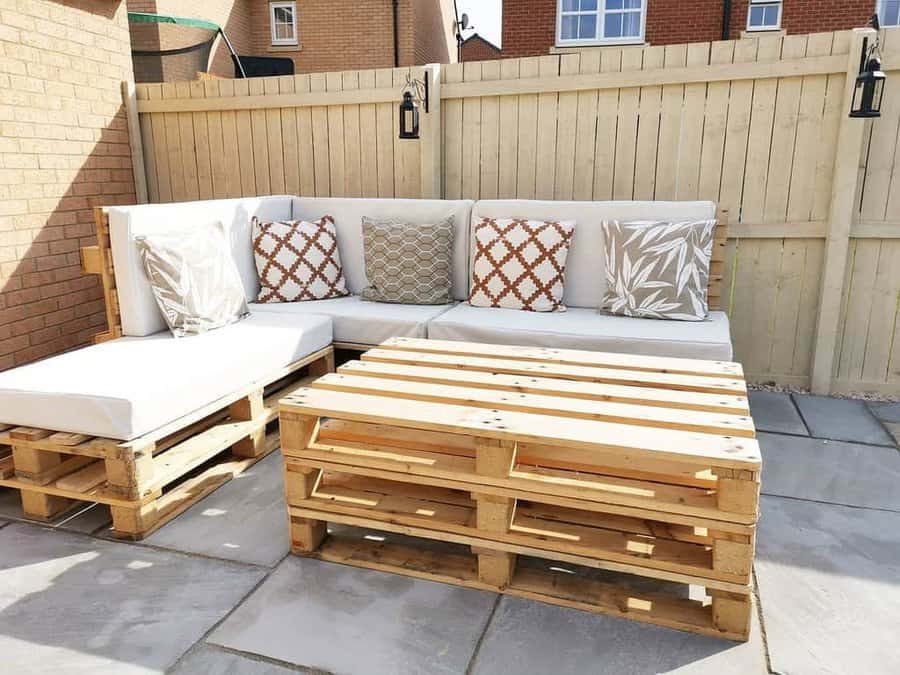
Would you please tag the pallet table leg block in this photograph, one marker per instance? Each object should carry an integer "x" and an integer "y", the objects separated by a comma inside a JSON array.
[
  {"x": 731, "y": 612},
  {"x": 43, "y": 507}
]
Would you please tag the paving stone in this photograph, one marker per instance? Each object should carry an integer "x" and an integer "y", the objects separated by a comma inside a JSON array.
[
  {"x": 828, "y": 583},
  {"x": 885, "y": 411},
  {"x": 76, "y": 604},
  {"x": 85, "y": 518},
  {"x": 841, "y": 419},
  {"x": 534, "y": 638},
  {"x": 244, "y": 520},
  {"x": 830, "y": 471},
  {"x": 348, "y": 620},
  {"x": 774, "y": 411},
  {"x": 211, "y": 660}
]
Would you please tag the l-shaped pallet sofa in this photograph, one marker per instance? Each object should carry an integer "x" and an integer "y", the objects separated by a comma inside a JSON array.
[{"x": 149, "y": 424}]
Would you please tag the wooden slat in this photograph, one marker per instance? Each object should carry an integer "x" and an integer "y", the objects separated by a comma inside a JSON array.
[
  {"x": 655, "y": 364},
  {"x": 541, "y": 404},
  {"x": 515, "y": 426},
  {"x": 666, "y": 398},
  {"x": 696, "y": 383}
]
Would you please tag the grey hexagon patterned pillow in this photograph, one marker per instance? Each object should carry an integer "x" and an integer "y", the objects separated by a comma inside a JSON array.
[
  {"x": 658, "y": 269},
  {"x": 407, "y": 263}
]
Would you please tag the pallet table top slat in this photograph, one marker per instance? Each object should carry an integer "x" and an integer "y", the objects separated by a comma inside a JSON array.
[
  {"x": 623, "y": 413},
  {"x": 724, "y": 451},
  {"x": 526, "y": 384},
  {"x": 653, "y": 364},
  {"x": 695, "y": 383}
]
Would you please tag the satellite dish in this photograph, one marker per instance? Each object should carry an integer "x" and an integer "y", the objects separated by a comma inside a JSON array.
[{"x": 464, "y": 21}]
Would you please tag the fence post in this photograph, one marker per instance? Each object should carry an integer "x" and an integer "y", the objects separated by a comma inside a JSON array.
[
  {"x": 129, "y": 98},
  {"x": 840, "y": 219},
  {"x": 430, "y": 140}
]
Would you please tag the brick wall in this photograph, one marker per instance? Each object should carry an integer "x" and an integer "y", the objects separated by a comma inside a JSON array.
[
  {"x": 434, "y": 40},
  {"x": 63, "y": 149},
  {"x": 476, "y": 48},
  {"x": 529, "y": 26}
]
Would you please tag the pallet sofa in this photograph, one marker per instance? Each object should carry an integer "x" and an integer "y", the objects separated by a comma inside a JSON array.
[{"x": 150, "y": 424}]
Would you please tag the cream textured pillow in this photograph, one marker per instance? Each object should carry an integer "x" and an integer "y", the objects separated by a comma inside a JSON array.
[
  {"x": 408, "y": 263},
  {"x": 658, "y": 269},
  {"x": 298, "y": 260},
  {"x": 194, "y": 279},
  {"x": 520, "y": 264}
]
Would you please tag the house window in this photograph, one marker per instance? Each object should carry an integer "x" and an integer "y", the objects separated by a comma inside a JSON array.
[
  {"x": 889, "y": 12},
  {"x": 283, "y": 17},
  {"x": 764, "y": 15},
  {"x": 591, "y": 22}
]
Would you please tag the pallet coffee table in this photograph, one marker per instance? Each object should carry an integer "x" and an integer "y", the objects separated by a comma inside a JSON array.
[{"x": 606, "y": 482}]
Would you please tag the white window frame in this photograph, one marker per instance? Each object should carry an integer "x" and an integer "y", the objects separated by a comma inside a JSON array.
[
  {"x": 599, "y": 40},
  {"x": 764, "y": 29},
  {"x": 880, "y": 10},
  {"x": 283, "y": 4}
]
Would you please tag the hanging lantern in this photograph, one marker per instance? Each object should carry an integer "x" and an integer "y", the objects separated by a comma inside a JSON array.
[
  {"x": 869, "y": 90},
  {"x": 409, "y": 117}
]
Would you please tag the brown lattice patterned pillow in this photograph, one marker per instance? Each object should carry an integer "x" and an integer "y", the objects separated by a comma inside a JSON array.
[
  {"x": 298, "y": 260},
  {"x": 520, "y": 264}
]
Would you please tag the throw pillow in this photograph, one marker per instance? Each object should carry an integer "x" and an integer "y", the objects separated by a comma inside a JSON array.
[
  {"x": 194, "y": 279},
  {"x": 406, "y": 263},
  {"x": 520, "y": 264},
  {"x": 658, "y": 269},
  {"x": 298, "y": 260}
]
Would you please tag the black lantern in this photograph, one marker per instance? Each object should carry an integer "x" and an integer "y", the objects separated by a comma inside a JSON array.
[
  {"x": 869, "y": 90},
  {"x": 409, "y": 117}
]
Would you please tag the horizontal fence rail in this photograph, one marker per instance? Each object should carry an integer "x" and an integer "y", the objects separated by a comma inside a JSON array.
[{"x": 758, "y": 125}]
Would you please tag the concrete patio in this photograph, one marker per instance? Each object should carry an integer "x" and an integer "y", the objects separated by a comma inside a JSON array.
[{"x": 216, "y": 591}]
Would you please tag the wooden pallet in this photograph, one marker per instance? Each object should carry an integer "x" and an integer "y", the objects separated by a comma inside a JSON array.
[
  {"x": 638, "y": 465},
  {"x": 150, "y": 480}
]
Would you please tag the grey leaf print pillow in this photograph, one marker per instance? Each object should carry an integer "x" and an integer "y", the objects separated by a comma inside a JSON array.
[{"x": 658, "y": 269}]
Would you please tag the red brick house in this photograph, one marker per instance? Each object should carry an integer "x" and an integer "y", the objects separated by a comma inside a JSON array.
[
  {"x": 322, "y": 35},
  {"x": 536, "y": 27},
  {"x": 477, "y": 48}
]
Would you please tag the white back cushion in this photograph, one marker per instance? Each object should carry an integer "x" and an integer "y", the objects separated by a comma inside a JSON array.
[
  {"x": 140, "y": 313},
  {"x": 585, "y": 269},
  {"x": 348, "y": 214}
]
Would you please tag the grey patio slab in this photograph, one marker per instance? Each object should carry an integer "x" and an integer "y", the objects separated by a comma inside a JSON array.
[
  {"x": 841, "y": 419},
  {"x": 85, "y": 517},
  {"x": 830, "y": 471},
  {"x": 212, "y": 660},
  {"x": 533, "y": 638},
  {"x": 77, "y": 604},
  {"x": 244, "y": 520},
  {"x": 829, "y": 585},
  {"x": 886, "y": 411},
  {"x": 352, "y": 621},
  {"x": 774, "y": 411}
]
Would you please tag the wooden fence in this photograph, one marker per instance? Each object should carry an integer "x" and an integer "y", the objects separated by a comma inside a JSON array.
[{"x": 759, "y": 125}]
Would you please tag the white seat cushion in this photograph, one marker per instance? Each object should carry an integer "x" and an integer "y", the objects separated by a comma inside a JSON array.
[
  {"x": 128, "y": 387},
  {"x": 362, "y": 322},
  {"x": 581, "y": 328}
]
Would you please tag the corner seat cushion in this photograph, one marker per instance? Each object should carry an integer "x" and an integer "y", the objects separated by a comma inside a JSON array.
[
  {"x": 582, "y": 328},
  {"x": 131, "y": 386},
  {"x": 363, "y": 322}
]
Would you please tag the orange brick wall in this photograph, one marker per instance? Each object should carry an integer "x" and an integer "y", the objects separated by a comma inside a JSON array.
[
  {"x": 63, "y": 150},
  {"x": 529, "y": 26},
  {"x": 477, "y": 48}
]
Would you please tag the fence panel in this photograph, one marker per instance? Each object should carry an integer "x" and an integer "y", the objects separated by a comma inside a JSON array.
[
  {"x": 752, "y": 124},
  {"x": 333, "y": 134}
]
